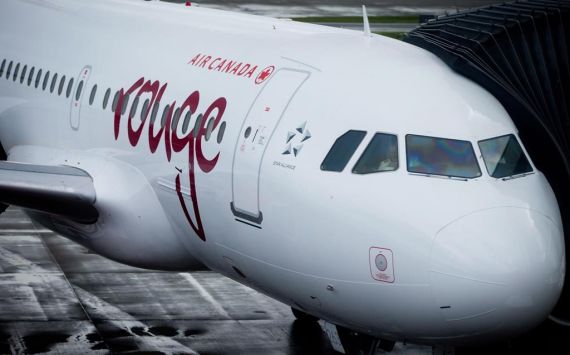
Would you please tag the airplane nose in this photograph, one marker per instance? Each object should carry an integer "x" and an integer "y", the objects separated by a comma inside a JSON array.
[{"x": 501, "y": 270}]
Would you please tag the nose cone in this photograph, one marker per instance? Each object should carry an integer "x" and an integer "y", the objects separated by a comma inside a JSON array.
[{"x": 497, "y": 273}]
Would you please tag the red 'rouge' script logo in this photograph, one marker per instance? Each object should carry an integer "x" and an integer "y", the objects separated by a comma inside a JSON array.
[{"x": 172, "y": 141}]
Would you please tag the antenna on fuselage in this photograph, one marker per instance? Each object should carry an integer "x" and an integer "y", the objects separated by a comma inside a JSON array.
[{"x": 367, "y": 31}]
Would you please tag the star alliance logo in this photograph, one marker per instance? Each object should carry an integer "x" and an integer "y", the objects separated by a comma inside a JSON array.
[{"x": 295, "y": 140}]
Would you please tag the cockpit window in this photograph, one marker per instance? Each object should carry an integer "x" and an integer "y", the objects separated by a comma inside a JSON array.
[
  {"x": 342, "y": 150},
  {"x": 440, "y": 156},
  {"x": 380, "y": 155},
  {"x": 504, "y": 157}
]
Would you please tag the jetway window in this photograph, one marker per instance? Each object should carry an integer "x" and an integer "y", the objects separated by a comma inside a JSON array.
[
  {"x": 69, "y": 87},
  {"x": 46, "y": 80},
  {"x": 2, "y": 67},
  {"x": 106, "y": 98},
  {"x": 53, "y": 82},
  {"x": 380, "y": 155},
  {"x": 23, "y": 76},
  {"x": 93, "y": 93},
  {"x": 504, "y": 157},
  {"x": 38, "y": 79},
  {"x": 61, "y": 85},
  {"x": 440, "y": 156},
  {"x": 342, "y": 150}
]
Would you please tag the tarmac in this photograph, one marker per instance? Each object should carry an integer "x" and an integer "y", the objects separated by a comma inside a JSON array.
[{"x": 56, "y": 297}]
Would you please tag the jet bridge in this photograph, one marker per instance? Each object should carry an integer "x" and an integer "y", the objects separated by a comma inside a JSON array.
[{"x": 519, "y": 51}]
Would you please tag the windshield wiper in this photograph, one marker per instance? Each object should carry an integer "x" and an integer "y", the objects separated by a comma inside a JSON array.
[
  {"x": 516, "y": 176},
  {"x": 447, "y": 177}
]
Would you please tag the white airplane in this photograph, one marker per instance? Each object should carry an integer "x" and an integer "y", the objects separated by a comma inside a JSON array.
[{"x": 353, "y": 177}]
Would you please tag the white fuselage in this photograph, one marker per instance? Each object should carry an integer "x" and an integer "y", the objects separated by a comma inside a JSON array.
[{"x": 470, "y": 260}]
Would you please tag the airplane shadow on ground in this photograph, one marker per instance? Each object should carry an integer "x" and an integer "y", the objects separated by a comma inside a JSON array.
[{"x": 308, "y": 338}]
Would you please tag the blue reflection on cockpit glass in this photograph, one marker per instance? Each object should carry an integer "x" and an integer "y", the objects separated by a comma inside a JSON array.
[{"x": 439, "y": 156}]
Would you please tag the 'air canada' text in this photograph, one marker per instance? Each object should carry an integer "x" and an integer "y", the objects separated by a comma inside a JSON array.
[{"x": 231, "y": 67}]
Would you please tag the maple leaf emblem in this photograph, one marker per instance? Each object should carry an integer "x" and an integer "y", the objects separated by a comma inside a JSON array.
[{"x": 265, "y": 73}]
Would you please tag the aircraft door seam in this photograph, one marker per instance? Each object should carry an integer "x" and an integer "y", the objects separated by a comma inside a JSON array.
[
  {"x": 251, "y": 117},
  {"x": 76, "y": 103}
]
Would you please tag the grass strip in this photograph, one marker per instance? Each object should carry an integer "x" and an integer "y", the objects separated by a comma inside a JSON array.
[
  {"x": 395, "y": 35},
  {"x": 358, "y": 19}
]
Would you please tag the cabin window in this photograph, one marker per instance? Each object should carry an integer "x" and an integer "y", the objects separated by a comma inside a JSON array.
[
  {"x": 53, "y": 83},
  {"x": 69, "y": 88},
  {"x": 342, "y": 150},
  {"x": 154, "y": 113},
  {"x": 164, "y": 116},
  {"x": 2, "y": 67},
  {"x": 9, "y": 69},
  {"x": 186, "y": 123},
  {"x": 134, "y": 107},
  {"x": 504, "y": 157},
  {"x": 106, "y": 98},
  {"x": 115, "y": 101},
  {"x": 79, "y": 90},
  {"x": 210, "y": 128},
  {"x": 16, "y": 71},
  {"x": 125, "y": 104},
  {"x": 221, "y": 132},
  {"x": 46, "y": 80},
  {"x": 93, "y": 93},
  {"x": 174, "y": 124},
  {"x": 198, "y": 125},
  {"x": 31, "y": 76},
  {"x": 23, "y": 76},
  {"x": 144, "y": 111},
  {"x": 440, "y": 156},
  {"x": 61, "y": 85},
  {"x": 38, "y": 79},
  {"x": 381, "y": 155}
]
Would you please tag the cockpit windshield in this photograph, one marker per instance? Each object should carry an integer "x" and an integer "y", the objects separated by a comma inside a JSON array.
[
  {"x": 504, "y": 157},
  {"x": 440, "y": 156}
]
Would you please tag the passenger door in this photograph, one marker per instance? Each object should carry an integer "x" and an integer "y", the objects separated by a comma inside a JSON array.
[
  {"x": 78, "y": 94},
  {"x": 256, "y": 133}
]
